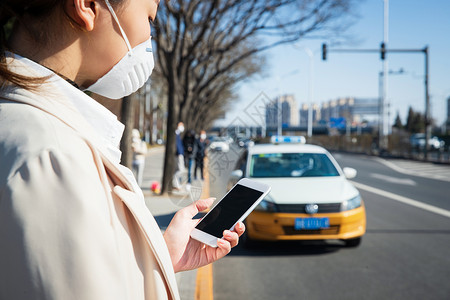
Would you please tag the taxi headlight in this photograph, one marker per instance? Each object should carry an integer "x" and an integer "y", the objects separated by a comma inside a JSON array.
[
  {"x": 351, "y": 204},
  {"x": 267, "y": 205}
]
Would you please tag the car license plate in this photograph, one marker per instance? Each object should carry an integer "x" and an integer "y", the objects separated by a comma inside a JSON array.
[{"x": 311, "y": 223}]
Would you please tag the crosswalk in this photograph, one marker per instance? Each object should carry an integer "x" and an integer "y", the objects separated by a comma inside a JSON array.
[{"x": 418, "y": 168}]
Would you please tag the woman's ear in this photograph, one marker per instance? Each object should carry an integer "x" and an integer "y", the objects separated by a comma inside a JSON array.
[{"x": 83, "y": 12}]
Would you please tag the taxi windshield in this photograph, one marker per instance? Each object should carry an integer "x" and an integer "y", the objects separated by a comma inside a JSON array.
[{"x": 291, "y": 165}]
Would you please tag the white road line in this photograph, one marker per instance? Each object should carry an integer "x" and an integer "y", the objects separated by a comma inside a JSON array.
[
  {"x": 411, "y": 171},
  {"x": 405, "y": 181},
  {"x": 420, "y": 168},
  {"x": 415, "y": 203}
]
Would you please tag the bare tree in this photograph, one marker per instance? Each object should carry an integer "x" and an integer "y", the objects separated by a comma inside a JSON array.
[{"x": 204, "y": 47}]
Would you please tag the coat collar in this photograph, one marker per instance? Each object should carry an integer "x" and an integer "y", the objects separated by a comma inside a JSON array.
[
  {"x": 103, "y": 123},
  {"x": 57, "y": 97}
]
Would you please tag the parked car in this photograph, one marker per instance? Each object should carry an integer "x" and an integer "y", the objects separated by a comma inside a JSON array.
[
  {"x": 219, "y": 143},
  {"x": 417, "y": 142},
  {"x": 245, "y": 143}
]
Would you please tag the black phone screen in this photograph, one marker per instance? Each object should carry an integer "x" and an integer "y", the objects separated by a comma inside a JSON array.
[{"x": 226, "y": 213}]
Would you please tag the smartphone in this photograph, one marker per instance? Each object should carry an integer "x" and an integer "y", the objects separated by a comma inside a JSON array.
[{"x": 234, "y": 207}]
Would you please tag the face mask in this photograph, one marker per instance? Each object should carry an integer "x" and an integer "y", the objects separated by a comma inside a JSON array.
[
  {"x": 181, "y": 128},
  {"x": 130, "y": 73},
  {"x": 203, "y": 136}
]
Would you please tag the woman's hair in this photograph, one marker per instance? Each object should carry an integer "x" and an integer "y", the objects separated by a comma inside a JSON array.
[
  {"x": 36, "y": 17},
  {"x": 12, "y": 11}
]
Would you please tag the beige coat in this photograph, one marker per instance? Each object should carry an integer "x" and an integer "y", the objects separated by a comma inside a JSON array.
[{"x": 71, "y": 225}]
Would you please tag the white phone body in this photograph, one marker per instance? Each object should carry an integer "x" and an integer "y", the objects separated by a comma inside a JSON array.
[{"x": 234, "y": 207}]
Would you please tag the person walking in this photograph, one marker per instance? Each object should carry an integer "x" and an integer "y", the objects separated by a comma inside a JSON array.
[
  {"x": 73, "y": 220},
  {"x": 200, "y": 154},
  {"x": 189, "y": 152},
  {"x": 179, "y": 158},
  {"x": 139, "y": 148}
]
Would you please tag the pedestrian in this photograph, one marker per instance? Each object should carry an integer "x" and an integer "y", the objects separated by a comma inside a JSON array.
[
  {"x": 179, "y": 157},
  {"x": 189, "y": 152},
  {"x": 139, "y": 148},
  {"x": 200, "y": 154},
  {"x": 73, "y": 221}
]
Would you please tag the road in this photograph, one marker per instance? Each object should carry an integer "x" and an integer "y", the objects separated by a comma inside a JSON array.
[{"x": 405, "y": 253}]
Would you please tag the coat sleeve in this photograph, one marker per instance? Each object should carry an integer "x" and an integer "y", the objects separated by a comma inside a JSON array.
[{"x": 57, "y": 240}]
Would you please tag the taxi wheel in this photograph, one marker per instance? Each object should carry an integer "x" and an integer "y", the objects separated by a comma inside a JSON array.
[{"x": 352, "y": 243}]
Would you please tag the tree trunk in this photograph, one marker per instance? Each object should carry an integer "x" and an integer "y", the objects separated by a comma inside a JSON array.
[
  {"x": 127, "y": 117},
  {"x": 150, "y": 125},
  {"x": 169, "y": 157}
]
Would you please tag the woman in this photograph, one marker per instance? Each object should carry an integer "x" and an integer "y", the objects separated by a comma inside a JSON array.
[{"x": 73, "y": 223}]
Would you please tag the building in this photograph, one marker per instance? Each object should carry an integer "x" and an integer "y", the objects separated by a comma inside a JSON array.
[
  {"x": 355, "y": 110},
  {"x": 289, "y": 112},
  {"x": 303, "y": 113}
]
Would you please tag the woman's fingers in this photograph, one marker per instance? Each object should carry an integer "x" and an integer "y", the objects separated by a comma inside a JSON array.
[
  {"x": 239, "y": 228},
  {"x": 203, "y": 204},
  {"x": 197, "y": 207},
  {"x": 232, "y": 237},
  {"x": 223, "y": 248}
]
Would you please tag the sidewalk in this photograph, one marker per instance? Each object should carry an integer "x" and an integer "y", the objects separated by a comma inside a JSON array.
[{"x": 163, "y": 209}]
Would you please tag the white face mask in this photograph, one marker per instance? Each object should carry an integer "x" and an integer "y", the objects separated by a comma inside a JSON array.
[
  {"x": 203, "y": 136},
  {"x": 130, "y": 73},
  {"x": 181, "y": 129}
]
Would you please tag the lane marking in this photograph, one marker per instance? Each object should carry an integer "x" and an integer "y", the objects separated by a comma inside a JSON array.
[
  {"x": 405, "y": 181},
  {"x": 204, "y": 281},
  {"x": 413, "y": 172},
  {"x": 405, "y": 200}
]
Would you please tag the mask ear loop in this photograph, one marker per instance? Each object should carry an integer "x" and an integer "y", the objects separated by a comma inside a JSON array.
[{"x": 120, "y": 27}]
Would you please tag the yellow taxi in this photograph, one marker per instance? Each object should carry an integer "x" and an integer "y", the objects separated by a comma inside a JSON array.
[{"x": 311, "y": 198}]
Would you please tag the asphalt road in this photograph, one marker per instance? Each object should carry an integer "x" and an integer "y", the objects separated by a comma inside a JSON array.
[{"x": 405, "y": 253}]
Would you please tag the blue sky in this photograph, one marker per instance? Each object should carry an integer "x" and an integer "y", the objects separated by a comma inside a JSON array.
[{"x": 413, "y": 24}]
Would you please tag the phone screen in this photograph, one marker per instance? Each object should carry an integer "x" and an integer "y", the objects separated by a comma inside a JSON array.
[{"x": 226, "y": 213}]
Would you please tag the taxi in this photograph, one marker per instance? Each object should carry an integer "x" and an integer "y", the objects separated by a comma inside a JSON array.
[{"x": 311, "y": 198}]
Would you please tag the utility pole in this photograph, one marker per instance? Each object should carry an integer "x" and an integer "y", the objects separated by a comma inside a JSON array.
[
  {"x": 385, "y": 130},
  {"x": 310, "y": 90},
  {"x": 427, "y": 107},
  {"x": 279, "y": 116},
  {"x": 383, "y": 51}
]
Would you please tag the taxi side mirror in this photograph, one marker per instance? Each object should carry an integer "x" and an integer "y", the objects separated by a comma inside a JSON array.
[{"x": 349, "y": 173}]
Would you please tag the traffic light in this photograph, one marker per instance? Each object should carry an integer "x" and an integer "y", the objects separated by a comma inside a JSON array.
[
  {"x": 383, "y": 51},
  {"x": 324, "y": 51}
]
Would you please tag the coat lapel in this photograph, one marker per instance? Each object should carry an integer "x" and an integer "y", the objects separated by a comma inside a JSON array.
[{"x": 152, "y": 234}]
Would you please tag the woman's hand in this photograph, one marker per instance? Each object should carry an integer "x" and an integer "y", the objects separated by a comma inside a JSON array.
[{"x": 187, "y": 253}]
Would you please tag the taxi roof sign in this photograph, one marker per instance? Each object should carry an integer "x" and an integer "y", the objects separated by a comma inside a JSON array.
[{"x": 280, "y": 139}]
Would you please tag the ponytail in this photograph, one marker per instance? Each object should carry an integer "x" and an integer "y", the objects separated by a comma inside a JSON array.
[{"x": 12, "y": 11}]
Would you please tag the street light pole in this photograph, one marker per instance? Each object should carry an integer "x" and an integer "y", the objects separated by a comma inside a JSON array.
[
  {"x": 380, "y": 97},
  {"x": 310, "y": 90},
  {"x": 385, "y": 130},
  {"x": 279, "y": 116},
  {"x": 427, "y": 107}
]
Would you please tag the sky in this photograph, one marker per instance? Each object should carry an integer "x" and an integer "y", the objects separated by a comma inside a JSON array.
[{"x": 413, "y": 24}]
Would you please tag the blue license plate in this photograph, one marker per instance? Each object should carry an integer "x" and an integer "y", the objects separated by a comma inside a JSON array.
[{"x": 311, "y": 223}]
